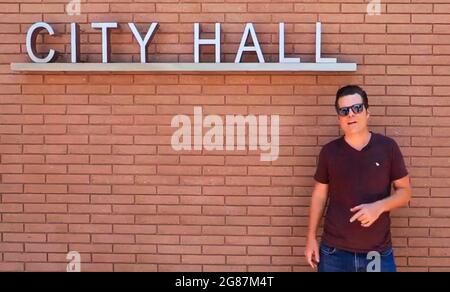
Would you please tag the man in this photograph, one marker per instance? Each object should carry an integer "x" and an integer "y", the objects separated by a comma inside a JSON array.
[{"x": 355, "y": 174}]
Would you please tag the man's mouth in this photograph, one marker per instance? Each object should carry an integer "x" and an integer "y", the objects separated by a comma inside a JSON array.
[{"x": 351, "y": 123}]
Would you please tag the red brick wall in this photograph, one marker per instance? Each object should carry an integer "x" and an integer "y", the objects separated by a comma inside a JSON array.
[{"x": 86, "y": 161}]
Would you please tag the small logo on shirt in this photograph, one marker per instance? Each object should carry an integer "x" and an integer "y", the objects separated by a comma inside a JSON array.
[{"x": 377, "y": 164}]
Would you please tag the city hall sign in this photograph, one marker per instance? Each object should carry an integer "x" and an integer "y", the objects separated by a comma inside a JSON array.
[{"x": 45, "y": 61}]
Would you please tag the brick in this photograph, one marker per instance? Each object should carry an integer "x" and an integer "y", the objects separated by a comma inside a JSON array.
[
  {"x": 11, "y": 247},
  {"x": 47, "y": 8},
  {"x": 182, "y": 8},
  {"x": 10, "y": 227},
  {"x": 67, "y": 218},
  {"x": 248, "y": 260},
  {"x": 12, "y": 267},
  {"x": 412, "y": 8},
  {"x": 412, "y": 70},
  {"x": 72, "y": 238},
  {"x": 179, "y": 267},
  {"x": 45, "y": 208},
  {"x": 57, "y": 228},
  {"x": 28, "y": 237},
  {"x": 202, "y": 259},
  {"x": 262, "y": 250},
  {"x": 129, "y": 7},
  {"x": 135, "y": 268}
]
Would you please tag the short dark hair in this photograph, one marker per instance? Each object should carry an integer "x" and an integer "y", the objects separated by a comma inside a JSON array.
[{"x": 349, "y": 90}]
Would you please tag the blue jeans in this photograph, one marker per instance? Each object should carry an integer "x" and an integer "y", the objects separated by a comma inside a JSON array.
[{"x": 336, "y": 260}]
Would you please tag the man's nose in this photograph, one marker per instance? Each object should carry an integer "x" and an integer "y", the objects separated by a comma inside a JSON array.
[{"x": 351, "y": 114}]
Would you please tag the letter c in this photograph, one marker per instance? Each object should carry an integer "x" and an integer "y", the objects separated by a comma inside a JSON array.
[{"x": 32, "y": 34}]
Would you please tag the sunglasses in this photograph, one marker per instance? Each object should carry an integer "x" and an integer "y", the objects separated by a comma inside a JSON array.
[{"x": 356, "y": 109}]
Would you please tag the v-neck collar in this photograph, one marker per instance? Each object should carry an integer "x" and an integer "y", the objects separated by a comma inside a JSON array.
[{"x": 364, "y": 148}]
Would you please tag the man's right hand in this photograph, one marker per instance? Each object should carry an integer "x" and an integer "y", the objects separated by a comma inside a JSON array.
[{"x": 312, "y": 252}]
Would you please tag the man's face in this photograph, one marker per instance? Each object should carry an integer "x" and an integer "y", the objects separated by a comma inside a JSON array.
[{"x": 353, "y": 123}]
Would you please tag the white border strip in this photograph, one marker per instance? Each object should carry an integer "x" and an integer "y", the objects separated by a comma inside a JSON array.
[{"x": 174, "y": 67}]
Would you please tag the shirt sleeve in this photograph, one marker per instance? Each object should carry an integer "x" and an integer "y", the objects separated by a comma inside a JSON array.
[
  {"x": 322, "y": 173},
  {"x": 398, "y": 168}
]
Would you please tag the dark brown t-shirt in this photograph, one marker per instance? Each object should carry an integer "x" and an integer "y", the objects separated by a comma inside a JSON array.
[{"x": 358, "y": 177}]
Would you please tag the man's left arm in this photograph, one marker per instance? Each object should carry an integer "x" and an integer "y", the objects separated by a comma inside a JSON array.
[{"x": 367, "y": 214}]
